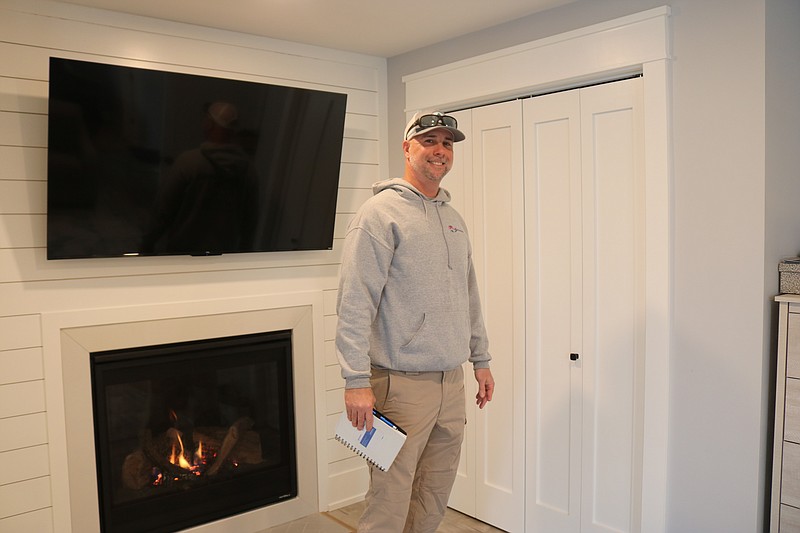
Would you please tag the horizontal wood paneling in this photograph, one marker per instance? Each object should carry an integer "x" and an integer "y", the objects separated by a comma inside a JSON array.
[
  {"x": 23, "y": 231},
  {"x": 358, "y": 175},
  {"x": 360, "y": 126},
  {"x": 21, "y": 365},
  {"x": 338, "y": 452},
  {"x": 134, "y": 290},
  {"x": 26, "y": 96},
  {"x": 100, "y": 34},
  {"x": 25, "y": 398},
  {"x": 23, "y": 431},
  {"x": 24, "y": 464},
  {"x": 334, "y": 402},
  {"x": 360, "y": 151},
  {"x": 365, "y": 102},
  {"x": 24, "y": 496},
  {"x": 330, "y": 424},
  {"x": 348, "y": 465},
  {"x": 329, "y": 301},
  {"x": 23, "y": 164},
  {"x": 23, "y": 129},
  {"x": 330, "y": 327},
  {"x": 349, "y": 481},
  {"x": 23, "y": 197},
  {"x": 333, "y": 377},
  {"x": 330, "y": 353},
  {"x": 21, "y": 331},
  {"x": 351, "y": 199},
  {"x": 32, "y": 264},
  {"x": 22, "y": 62},
  {"x": 39, "y": 521}
]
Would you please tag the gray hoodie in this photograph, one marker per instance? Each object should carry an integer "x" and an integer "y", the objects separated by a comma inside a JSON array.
[{"x": 408, "y": 297}]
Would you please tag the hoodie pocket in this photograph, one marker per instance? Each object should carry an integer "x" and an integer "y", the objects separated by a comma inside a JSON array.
[{"x": 441, "y": 334}]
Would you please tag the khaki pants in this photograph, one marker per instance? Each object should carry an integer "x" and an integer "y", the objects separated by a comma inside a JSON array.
[{"x": 412, "y": 495}]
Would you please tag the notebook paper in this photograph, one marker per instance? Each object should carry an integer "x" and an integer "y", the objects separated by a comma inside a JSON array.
[{"x": 379, "y": 446}]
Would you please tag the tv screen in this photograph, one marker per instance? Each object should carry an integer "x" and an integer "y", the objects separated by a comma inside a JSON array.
[{"x": 146, "y": 162}]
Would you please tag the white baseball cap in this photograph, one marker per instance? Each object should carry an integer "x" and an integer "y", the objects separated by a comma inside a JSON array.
[{"x": 430, "y": 120}]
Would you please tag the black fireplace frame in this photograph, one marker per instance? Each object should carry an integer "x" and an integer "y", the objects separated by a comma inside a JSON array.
[{"x": 228, "y": 497}]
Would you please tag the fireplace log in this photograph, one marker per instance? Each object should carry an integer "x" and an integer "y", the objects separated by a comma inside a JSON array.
[
  {"x": 236, "y": 430},
  {"x": 238, "y": 443},
  {"x": 136, "y": 470},
  {"x": 246, "y": 451}
]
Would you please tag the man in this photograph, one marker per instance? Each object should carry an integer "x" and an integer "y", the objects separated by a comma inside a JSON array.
[{"x": 409, "y": 317}]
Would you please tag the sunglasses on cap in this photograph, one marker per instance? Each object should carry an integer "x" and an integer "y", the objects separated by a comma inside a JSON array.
[{"x": 429, "y": 121}]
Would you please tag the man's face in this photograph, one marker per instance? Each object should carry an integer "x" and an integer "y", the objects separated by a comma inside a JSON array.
[{"x": 430, "y": 155}]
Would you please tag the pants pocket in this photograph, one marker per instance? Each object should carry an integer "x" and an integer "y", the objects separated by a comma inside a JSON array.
[{"x": 380, "y": 387}]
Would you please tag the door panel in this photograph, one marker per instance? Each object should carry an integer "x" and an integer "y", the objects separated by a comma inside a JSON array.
[
  {"x": 553, "y": 305},
  {"x": 613, "y": 306},
  {"x": 497, "y": 228}
]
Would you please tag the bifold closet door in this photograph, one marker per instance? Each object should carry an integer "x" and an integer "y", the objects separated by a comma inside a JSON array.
[
  {"x": 584, "y": 242},
  {"x": 551, "y": 188},
  {"x": 554, "y": 285},
  {"x": 490, "y": 484}
]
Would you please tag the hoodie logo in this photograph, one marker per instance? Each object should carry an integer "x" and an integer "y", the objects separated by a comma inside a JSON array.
[{"x": 454, "y": 229}]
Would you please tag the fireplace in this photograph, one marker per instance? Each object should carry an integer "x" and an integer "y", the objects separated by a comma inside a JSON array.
[
  {"x": 191, "y": 432},
  {"x": 72, "y": 339}
]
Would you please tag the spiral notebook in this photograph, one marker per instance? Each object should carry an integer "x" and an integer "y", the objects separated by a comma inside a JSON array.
[{"x": 379, "y": 446}]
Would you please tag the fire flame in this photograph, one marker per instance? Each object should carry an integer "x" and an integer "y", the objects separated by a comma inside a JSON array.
[
  {"x": 194, "y": 463},
  {"x": 179, "y": 457}
]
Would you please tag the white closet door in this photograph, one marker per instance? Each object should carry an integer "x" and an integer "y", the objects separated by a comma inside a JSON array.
[
  {"x": 559, "y": 252},
  {"x": 498, "y": 204},
  {"x": 584, "y": 295},
  {"x": 553, "y": 226},
  {"x": 496, "y": 219},
  {"x": 613, "y": 305}
]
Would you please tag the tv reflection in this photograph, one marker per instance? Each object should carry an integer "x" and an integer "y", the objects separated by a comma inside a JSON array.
[{"x": 205, "y": 201}]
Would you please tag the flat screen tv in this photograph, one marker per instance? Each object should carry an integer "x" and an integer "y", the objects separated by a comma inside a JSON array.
[{"x": 146, "y": 162}]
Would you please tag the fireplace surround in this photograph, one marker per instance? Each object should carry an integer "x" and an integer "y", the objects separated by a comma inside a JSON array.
[{"x": 70, "y": 337}]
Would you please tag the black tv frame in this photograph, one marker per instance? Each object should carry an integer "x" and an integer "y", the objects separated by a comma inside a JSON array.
[{"x": 117, "y": 133}]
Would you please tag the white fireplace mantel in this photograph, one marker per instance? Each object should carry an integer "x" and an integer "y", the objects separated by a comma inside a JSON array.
[{"x": 70, "y": 336}]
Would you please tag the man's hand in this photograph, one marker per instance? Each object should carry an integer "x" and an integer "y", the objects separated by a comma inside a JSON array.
[
  {"x": 359, "y": 403},
  {"x": 485, "y": 386}
]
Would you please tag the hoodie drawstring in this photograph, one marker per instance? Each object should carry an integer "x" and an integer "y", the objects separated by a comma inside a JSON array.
[{"x": 444, "y": 234}]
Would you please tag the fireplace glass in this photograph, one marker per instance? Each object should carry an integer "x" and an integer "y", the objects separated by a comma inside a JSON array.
[{"x": 193, "y": 432}]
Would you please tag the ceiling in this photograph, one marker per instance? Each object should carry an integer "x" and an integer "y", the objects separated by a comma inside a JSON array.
[{"x": 383, "y": 28}]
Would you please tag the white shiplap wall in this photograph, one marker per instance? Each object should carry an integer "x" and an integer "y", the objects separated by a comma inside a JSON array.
[{"x": 32, "y": 31}]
